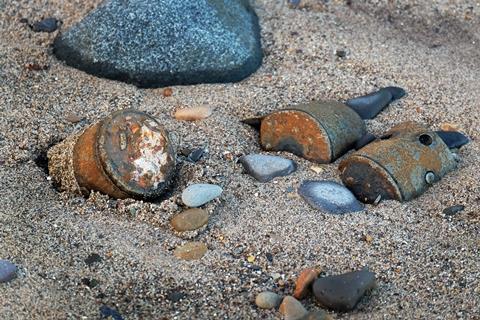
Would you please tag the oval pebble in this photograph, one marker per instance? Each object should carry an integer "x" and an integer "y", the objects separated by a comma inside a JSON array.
[
  {"x": 292, "y": 309},
  {"x": 191, "y": 251},
  {"x": 8, "y": 271},
  {"x": 199, "y": 194},
  {"x": 189, "y": 220},
  {"x": 268, "y": 300},
  {"x": 265, "y": 167},
  {"x": 329, "y": 196},
  {"x": 194, "y": 113}
]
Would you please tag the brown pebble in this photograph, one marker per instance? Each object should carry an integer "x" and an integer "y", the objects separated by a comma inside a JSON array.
[
  {"x": 304, "y": 282},
  {"x": 189, "y": 220},
  {"x": 190, "y": 251},
  {"x": 194, "y": 113},
  {"x": 167, "y": 92},
  {"x": 292, "y": 309},
  {"x": 73, "y": 118}
]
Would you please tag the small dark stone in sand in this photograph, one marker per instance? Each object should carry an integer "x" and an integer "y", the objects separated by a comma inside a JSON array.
[
  {"x": 176, "y": 296},
  {"x": 107, "y": 312},
  {"x": 93, "y": 258},
  {"x": 453, "y": 210},
  {"x": 343, "y": 292},
  {"x": 46, "y": 25},
  {"x": 195, "y": 155},
  {"x": 8, "y": 271},
  {"x": 91, "y": 283},
  {"x": 269, "y": 256},
  {"x": 265, "y": 167},
  {"x": 329, "y": 196},
  {"x": 341, "y": 53},
  {"x": 368, "y": 106}
]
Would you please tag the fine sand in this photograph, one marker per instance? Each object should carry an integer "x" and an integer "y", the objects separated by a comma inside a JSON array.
[{"x": 427, "y": 265}]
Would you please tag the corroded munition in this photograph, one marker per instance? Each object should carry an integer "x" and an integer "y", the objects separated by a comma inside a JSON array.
[
  {"x": 320, "y": 131},
  {"x": 128, "y": 154},
  {"x": 400, "y": 166}
]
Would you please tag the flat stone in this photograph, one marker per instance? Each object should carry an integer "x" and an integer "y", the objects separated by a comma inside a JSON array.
[
  {"x": 193, "y": 113},
  {"x": 268, "y": 300},
  {"x": 199, "y": 194},
  {"x": 453, "y": 210},
  {"x": 189, "y": 220},
  {"x": 292, "y": 309},
  {"x": 329, "y": 196},
  {"x": 157, "y": 43},
  {"x": 46, "y": 25},
  {"x": 190, "y": 251},
  {"x": 8, "y": 271},
  {"x": 343, "y": 292},
  {"x": 265, "y": 167},
  {"x": 304, "y": 282}
]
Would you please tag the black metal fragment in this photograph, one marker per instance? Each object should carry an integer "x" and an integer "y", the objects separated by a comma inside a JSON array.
[
  {"x": 453, "y": 139},
  {"x": 370, "y": 105}
]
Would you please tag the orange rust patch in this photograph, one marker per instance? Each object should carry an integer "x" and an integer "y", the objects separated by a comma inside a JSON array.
[{"x": 296, "y": 132}]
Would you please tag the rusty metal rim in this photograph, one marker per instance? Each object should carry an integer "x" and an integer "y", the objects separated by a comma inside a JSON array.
[
  {"x": 102, "y": 155},
  {"x": 388, "y": 175},
  {"x": 331, "y": 156}
]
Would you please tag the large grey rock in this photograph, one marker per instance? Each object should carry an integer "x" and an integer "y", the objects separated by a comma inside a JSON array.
[{"x": 153, "y": 43}]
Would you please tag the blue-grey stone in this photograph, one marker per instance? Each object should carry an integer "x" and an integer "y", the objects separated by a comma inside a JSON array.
[
  {"x": 343, "y": 292},
  {"x": 329, "y": 196},
  {"x": 153, "y": 43},
  {"x": 264, "y": 167},
  {"x": 199, "y": 194},
  {"x": 8, "y": 271}
]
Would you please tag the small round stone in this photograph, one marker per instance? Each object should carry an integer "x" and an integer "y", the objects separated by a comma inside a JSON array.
[
  {"x": 292, "y": 309},
  {"x": 191, "y": 251},
  {"x": 8, "y": 271},
  {"x": 189, "y": 220},
  {"x": 199, "y": 194},
  {"x": 268, "y": 300},
  {"x": 304, "y": 282}
]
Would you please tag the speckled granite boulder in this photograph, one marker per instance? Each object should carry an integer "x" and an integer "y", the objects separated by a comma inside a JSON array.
[{"x": 153, "y": 43}]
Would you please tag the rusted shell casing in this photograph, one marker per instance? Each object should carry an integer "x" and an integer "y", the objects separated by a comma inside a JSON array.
[
  {"x": 128, "y": 154},
  {"x": 320, "y": 131},
  {"x": 396, "y": 167}
]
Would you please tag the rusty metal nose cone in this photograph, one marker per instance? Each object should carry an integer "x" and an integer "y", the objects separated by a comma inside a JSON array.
[{"x": 127, "y": 154}]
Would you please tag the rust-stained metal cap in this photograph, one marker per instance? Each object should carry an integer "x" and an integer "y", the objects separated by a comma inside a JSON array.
[
  {"x": 400, "y": 166},
  {"x": 128, "y": 154},
  {"x": 320, "y": 131}
]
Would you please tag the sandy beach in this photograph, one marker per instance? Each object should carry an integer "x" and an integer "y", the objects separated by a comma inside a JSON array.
[{"x": 427, "y": 265}]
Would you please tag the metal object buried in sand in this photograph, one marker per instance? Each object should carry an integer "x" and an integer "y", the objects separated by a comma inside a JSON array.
[
  {"x": 320, "y": 131},
  {"x": 128, "y": 154},
  {"x": 400, "y": 166}
]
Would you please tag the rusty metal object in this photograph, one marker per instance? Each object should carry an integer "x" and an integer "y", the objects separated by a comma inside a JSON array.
[
  {"x": 400, "y": 166},
  {"x": 128, "y": 154},
  {"x": 320, "y": 131}
]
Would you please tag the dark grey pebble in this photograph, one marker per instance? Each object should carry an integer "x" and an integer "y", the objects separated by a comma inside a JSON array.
[
  {"x": 364, "y": 140},
  {"x": 341, "y": 53},
  {"x": 343, "y": 292},
  {"x": 265, "y": 167},
  {"x": 453, "y": 139},
  {"x": 195, "y": 155},
  {"x": 329, "y": 196},
  {"x": 107, "y": 312},
  {"x": 372, "y": 104},
  {"x": 159, "y": 43},
  {"x": 92, "y": 259},
  {"x": 46, "y": 25},
  {"x": 176, "y": 296},
  {"x": 8, "y": 271},
  {"x": 453, "y": 210}
]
